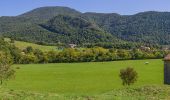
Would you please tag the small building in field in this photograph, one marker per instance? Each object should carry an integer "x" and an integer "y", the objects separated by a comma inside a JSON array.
[
  {"x": 165, "y": 49},
  {"x": 23, "y": 53},
  {"x": 167, "y": 69},
  {"x": 72, "y": 45},
  {"x": 144, "y": 48}
]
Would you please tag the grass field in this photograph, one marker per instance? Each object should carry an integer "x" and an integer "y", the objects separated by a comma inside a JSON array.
[
  {"x": 22, "y": 45},
  {"x": 83, "y": 78}
]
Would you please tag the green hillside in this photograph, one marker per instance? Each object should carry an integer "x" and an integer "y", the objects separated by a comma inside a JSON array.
[
  {"x": 77, "y": 30},
  {"x": 22, "y": 45},
  {"x": 146, "y": 27},
  {"x": 63, "y": 24},
  {"x": 46, "y": 13},
  {"x": 62, "y": 28}
]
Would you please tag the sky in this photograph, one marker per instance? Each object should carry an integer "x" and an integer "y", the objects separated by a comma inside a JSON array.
[{"x": 123, "y": 7}]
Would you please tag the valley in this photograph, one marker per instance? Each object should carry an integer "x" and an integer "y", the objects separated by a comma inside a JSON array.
[{"x": 64, "y": 53}]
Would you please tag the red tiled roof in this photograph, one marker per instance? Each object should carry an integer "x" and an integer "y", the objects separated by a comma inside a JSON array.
[{"x": 167, "y": 58}]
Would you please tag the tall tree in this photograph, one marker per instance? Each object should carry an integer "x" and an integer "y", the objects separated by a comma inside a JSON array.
[{"x": 6, "y": 71}]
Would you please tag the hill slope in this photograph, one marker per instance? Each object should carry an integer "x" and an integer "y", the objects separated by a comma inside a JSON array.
[
  {"x": 46, "y": 13},
  {"x": 62, "y": 28},
  {"x": 46, "y": 24},
  {"x": 22, "y": 45},
  {"x": 76, "y": 30},
  {"x": 147, "y": 27}
]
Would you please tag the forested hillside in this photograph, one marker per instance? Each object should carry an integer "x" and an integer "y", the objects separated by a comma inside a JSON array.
[
  {"x": 146, "y": 27},
  {"x": 51, "y": 25},
  {"x": 46, "y": 13},
  {"x": 76, "y": 30}
]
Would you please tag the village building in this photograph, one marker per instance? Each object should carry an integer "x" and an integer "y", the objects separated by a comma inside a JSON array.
[
  {"x": 144, "y": 48},
  {"x": 72, "y": 45}
]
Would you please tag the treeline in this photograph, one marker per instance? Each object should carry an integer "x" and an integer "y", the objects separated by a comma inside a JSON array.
[
  {"x": 121, "y": 45},
  {"x": 96, "y": 54},
  {"x": 69, "y": 55}
]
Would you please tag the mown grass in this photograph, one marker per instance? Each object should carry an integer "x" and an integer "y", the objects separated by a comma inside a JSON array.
[{"x": 83, "y": 78}]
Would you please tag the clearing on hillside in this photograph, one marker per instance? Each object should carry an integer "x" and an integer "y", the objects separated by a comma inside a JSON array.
[{"x": 22, "y": 45}]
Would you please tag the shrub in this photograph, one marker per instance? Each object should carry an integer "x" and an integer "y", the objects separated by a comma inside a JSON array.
[{"x": 128, "y": 76}]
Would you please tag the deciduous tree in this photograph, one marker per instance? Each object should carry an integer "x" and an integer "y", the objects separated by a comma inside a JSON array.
[{"x": 128, "y": 76}]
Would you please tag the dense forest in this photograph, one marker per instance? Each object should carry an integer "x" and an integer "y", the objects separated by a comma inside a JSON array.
[
  {"x": 147, "y": 27},
  {"x": 53, "y": 25}
]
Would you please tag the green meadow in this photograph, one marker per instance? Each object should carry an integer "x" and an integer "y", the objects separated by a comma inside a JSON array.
[
  {"x": 83, "y": 78},
  {"x": 22, "y": 45}
]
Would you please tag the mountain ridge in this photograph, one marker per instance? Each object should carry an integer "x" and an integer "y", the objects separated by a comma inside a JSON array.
[{"x": 145, "y": 27}]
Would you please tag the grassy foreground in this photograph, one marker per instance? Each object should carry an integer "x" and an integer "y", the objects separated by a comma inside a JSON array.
[
  {"x": 83, "y": 78},
  {"x": 152, "y": 92}
]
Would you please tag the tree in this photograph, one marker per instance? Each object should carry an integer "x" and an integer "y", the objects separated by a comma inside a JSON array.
[
  {"x": 15, "y": 53},
  {"x": 158, "y": 54},
  {"x": 51, "y": 56},
  {"x": 128, "y": 76},
  {"x": 123, "y": 54},
  {"x": 12, "y": 40},
  {"x": 41, "y": 56},
  {"x": 29, "y": 49},
  {"x": 6, "y": 72},
  {"x": 28, "y": 59},
  {"x": 137, "y": 54}
]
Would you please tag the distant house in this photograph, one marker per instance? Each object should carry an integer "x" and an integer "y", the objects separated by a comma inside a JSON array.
[
  {"x": 145, "y": 48},
  {"x": 165, "y": 48},
  {"x": 72, "y": 45}
]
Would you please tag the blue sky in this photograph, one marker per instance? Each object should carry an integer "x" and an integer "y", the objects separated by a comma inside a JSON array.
[{"x": 124, "y": 7}]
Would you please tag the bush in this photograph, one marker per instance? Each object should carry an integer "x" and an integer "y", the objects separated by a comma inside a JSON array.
[{"x": 128, "y": 76}]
